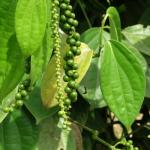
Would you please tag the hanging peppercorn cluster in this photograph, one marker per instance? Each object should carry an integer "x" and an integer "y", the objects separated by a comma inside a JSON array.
[
  {"x": 69, "y": 23},
  {"x": 23, "y": 91},
  {"x": 56, "y": 38}
]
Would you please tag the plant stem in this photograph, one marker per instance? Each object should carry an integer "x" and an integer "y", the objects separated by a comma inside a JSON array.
[
  {"x": 84, "y": 13},
  {"x": 93, "y": 133}
]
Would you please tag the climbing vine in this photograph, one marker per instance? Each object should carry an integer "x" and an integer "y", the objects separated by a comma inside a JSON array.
[{"x": 63, "y": 90}]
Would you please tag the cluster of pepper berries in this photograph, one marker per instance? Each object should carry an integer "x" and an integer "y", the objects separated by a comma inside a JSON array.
[
  {"x": 69, "y": 24},
  {"x": 21, "y": 96},
  {"x": 24, "y": 88}
]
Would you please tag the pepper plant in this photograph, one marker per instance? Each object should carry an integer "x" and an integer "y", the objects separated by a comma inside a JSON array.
[{"x": 55, "y": 84}]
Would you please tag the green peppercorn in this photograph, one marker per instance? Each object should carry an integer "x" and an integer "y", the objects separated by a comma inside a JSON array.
[
  {"x": 68, "y": 13},
  {"x": 73, "y": 96},
  {"x": 70, "y": 62},
  {"x": 66, "y": 67},
  {"x": 75, "y": 23},
  {"x": 73, "y": 49},
  {"x": 6, "y": 109},
  {"x": 76, "y": 35},
  {"x": 18, "y": 96},
  {"x": 72, "y": 84},
  {"x": 69, "y": 54},
  {"x": 78, "y": 43},
  {"x": 19, "y": 103},
  {"x": 71, "y": 21},
  {"x": 69, "y": 7},
  {"x": 65, "y": 78},
  {"x": 21, "y": 87},
  {"x": 75, "y": 66},
  {"x": 75, "y": 75},
  {"x": 78, "y": 52},
  {"x": 67, "y": 90},
  {"x": 67, "y": 101},
  {"x": 63, "y": 6},
  {"x": 67, "y": 26},
  {"x": 70, "y": 73},
  {"x": 67, "y": 1},
  {"x": 24, "y": 93},
  {"x": 61, "y": 113},
  {"x": 72, "y": 15},
  {"x": 63, "y": 18}
]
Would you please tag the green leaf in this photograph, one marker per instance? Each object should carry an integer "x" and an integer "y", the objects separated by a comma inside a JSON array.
[
  {"x": 35, "y": 106},
  {"x": 17, "y": 132},
  {"x": 139, "y": 37},
  {"x": 11, "y": 60},
  {"x": 92, "y": 37},
  {"x": 30, "y": 23},
  {"x": 115, "y": 24},
  {"x": 122, "y": 80},
  {"x": 52, "y": 137}
]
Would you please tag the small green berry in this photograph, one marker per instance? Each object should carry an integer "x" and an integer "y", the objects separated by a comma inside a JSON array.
[
  {"x": 63, "y": 6},
  {"x": 68, "y": 13},
  {"x": 73, "y": 95},
  {"x": 65, "y": 78},
  {"x": 19, "y": 103},
  {"x": 24, "y": 93},
  {"x": 70, "y": 62},
  {"x": 21, "y": 87},
  {"x": 66, "y": 26},
  {"x": 78, "y": 43},
  {"x": 72, "y": 84},
  {"x": 70, "y": 73},
  {"x": 63, "y": 18},
  {"x": 6, "y": 109},
  {"x": 67, "y": 90},
  {"x": 18, "y": 96}
]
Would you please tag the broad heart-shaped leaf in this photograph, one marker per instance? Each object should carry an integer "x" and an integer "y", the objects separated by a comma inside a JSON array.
[
  {"x": 30, "y": 24},
  {"x": 18, "y": 132},
  {"x": 115, "y": 24},
  {"x": 48, "y": 88},
  {"x": 139, "y": 37},
  {"x": 122, "y": 80},
  {"x": 11, "y": 59}
]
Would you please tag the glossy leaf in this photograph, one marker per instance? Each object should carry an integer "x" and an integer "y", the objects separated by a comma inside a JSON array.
[
  {"x": 11, "y": 60},
  {"x": 115, "y": 24},
  {"x": 48, "y": 89},
  {"x": 122, "y": 80},
  {"x": 92, "y": 36},
  {"x": 17, "y": 132},
  {"x": 30, "y": 23},
  {"x": 89, "y": 87},
  {"x": 139, "y": 37}
]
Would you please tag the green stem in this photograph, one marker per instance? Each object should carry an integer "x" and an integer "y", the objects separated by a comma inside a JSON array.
[
  {"x": 85, "y": 14},
  {"x": 102, "y": 28},
  {"x": 93, "y": 133}
]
